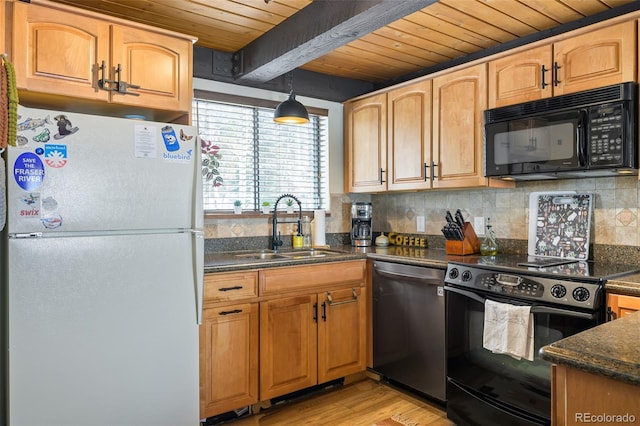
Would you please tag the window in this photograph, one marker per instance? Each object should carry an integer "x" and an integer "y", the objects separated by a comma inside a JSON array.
[{"x": 248, "y": 157}]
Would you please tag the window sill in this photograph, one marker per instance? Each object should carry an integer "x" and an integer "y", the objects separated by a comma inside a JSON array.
[{"x": 256, "y": 215}]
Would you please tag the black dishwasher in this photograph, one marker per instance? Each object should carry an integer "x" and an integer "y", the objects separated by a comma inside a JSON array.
[{"x": 409, "y": 326}]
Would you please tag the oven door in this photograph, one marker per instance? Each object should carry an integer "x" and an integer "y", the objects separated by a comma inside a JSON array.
[
  {"x": 544, "y": 143},
  {"x": 486, "y": 388}
]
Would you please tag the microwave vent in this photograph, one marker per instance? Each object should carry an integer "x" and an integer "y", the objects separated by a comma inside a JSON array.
[{"x": 618, "y": 92}]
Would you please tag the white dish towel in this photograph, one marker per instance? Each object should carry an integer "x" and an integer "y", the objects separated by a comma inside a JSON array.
[{"x": 508, "y": 329}]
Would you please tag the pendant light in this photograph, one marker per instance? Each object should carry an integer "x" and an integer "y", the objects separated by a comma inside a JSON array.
[{"x": 291, "y": 111}]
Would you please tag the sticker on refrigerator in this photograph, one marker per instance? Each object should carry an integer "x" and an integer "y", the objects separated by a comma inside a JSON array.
[
  {"x": 170, "y": 139},
  {"x": 28, "y": 171},
  {"x": 52, "y": 221},
  {"x": 145, "y": 141},
  {"x": 55, "y": 155},
  {"x": 29, "y": 206},
  {"x": 65, "y": 128}
]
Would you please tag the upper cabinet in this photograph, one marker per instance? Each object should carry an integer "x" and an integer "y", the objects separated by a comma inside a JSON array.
[
  {"x": 409, "y": 137},
  {"x": 65, "y": 54},
  {"x": 365, "y": 155},
  {"x": 594, "y": 59},
  {"x": 459, "y": 100}
]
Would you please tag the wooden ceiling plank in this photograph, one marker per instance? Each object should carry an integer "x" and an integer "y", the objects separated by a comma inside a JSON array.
[
  {"x": 402, "y": 49},
  {"x": 481, "y": 36},
  {"x": 449, "y": 45},
  {"x": 316, "y": 30},
  {"x": 586, "y": 7},
  {"x": 482, "y": 11},
  {"x": 555, "y": 9},
  {"x": 468, "y": 22},
  {"x": 521, "y": 11}
]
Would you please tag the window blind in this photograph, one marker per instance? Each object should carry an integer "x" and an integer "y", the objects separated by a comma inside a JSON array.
[{"x": 248, "y": 157}]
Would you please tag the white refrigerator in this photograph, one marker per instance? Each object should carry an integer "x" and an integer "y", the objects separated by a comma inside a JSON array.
[{"x": 102, "y": 272}]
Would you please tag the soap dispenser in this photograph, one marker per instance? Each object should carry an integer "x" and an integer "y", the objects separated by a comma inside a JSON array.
[{"x": 489, "y": 246}]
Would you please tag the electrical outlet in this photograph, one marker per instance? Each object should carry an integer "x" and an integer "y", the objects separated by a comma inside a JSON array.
[
  {"x": 478, "y": 225},
  {"x": 420, "y": 224}
]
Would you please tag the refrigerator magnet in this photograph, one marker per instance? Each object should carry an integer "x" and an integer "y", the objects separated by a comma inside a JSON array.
[{"x": 28, "y": 171}]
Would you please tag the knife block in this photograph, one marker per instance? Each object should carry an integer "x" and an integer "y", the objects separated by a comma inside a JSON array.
[{"x": 470, "y": 244}]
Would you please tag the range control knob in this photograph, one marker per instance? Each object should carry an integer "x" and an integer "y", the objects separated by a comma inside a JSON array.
[
  {"x": 581, "y": 294},
  {"x": 558, "y": 291},
  {"x": 453, "y": 273},
  {"x": 466, "y": 276}
]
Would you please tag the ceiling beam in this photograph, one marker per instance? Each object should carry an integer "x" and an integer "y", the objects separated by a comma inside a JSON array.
[{"x": 319, "y": 28}]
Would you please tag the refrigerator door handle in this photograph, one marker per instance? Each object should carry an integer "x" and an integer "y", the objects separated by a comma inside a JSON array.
[
  {"x": 198, "y": 206},
  {"x": 198, "y": 265}
]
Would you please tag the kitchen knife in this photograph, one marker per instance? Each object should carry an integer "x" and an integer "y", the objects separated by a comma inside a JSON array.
[
  {"x": 459, "y": 219},
  {"x": 449, "y": 217}
]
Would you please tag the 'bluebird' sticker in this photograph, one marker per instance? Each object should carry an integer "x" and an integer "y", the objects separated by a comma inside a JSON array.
[
  {"x": 170, "y": 138},
  {"x": 28, "y": 171}
]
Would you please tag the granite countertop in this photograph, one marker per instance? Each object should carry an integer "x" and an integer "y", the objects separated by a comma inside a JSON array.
[
  {"x": 611, "y": 349},
  {"x": 629, "y": 285},
  {"x": 232, "y": 260}
]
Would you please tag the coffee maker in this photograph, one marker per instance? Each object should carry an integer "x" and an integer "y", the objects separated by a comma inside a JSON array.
[{"x": 361, "y": 232}]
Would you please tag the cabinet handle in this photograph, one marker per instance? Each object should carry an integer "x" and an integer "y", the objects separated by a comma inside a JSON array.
[
  {"x": 235, "y": 311},
  {"x": 556, "y": 67},
  {"x": 122, "y": 86},
  {"x": 104, "y": 83},
  {"x": 353, "y": 299},
  {"x": 433, "y": 170},
  {"x": 315, "y": 312},
  {"x": 382, "y": 172},
  {"x": 237, "y": 287},
  {"x": 544, "y": 72},
  {"x": 426, "y": 172},
  {"x": 324, "y": 311},
  {"x": 611, "y": 315}
]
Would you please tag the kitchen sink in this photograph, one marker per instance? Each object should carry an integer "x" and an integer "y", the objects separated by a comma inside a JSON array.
[
  {"x": 304, "y": 254},
  {"x": 261, "y": 256}
]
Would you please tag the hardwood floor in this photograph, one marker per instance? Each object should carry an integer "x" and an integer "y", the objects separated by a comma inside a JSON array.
[{"x": 357, "y": 404}]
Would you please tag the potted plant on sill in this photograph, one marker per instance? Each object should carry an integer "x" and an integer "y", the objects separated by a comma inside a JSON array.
[
  {"x": 237, "y": 207},
  {"x": 265, "y": 207},
  {"x": 289, "y": 203}
]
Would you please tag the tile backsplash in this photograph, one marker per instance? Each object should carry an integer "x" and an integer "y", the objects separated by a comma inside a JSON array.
[{"x": 615, "y": 212}]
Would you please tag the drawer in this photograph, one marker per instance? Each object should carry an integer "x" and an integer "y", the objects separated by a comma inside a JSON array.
[
  {"x": 230, "y": 286},
  {"x": 312, "y": 277}
]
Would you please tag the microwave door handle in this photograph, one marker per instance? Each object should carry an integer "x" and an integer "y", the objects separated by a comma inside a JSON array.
[{"x": 581, "y": 138}]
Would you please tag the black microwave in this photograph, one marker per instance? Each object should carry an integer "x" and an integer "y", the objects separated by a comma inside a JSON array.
[{"x": 590, "y": 133}]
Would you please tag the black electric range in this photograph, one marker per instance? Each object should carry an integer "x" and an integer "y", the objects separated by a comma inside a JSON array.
[{"x": 570, "y": 269}]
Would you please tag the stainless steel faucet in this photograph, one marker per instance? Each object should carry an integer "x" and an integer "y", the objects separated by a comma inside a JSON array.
[{"x": 276, "y": 241}]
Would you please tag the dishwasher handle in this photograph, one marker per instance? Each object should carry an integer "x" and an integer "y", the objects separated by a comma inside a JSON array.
[{"x": 427, "y": 278}]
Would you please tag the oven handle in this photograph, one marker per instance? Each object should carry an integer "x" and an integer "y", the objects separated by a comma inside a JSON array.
[{"x": 534, "y": 309}]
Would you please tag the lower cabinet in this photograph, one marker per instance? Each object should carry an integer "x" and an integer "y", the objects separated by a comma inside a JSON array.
[
  {"x": 311, "y": 339},
  {"x": 619, "y": 305},
  {"x": 228, "y": 358},
  {"x": 229, "y": 343},
  {"x": 579, "y": 397},
  {"x": 305, "y": 325}
]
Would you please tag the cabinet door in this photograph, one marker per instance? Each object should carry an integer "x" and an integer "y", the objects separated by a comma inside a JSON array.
[
  {"x": 57, "y": 52},
  {"x": 366, "y": 144},
  {"x": 158, "y": 63},
  {"x": 459, "y": 100},
  {"x": 228, "y": 358},
  {"x": 288, "y": 345},
  {"x": 518, "y": 77},
  {"x": 342, "y": 332},
  {"x": 409, "y": 137},
  {"x": 621, "y": 305},
  {"x": 595, "y": 59}
]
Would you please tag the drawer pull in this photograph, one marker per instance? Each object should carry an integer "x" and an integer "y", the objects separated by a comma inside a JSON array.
[
  {"x": 237, "y": 287},
  {"x": 235, "y": 311},
  {"x": 352, "y": 300}
]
